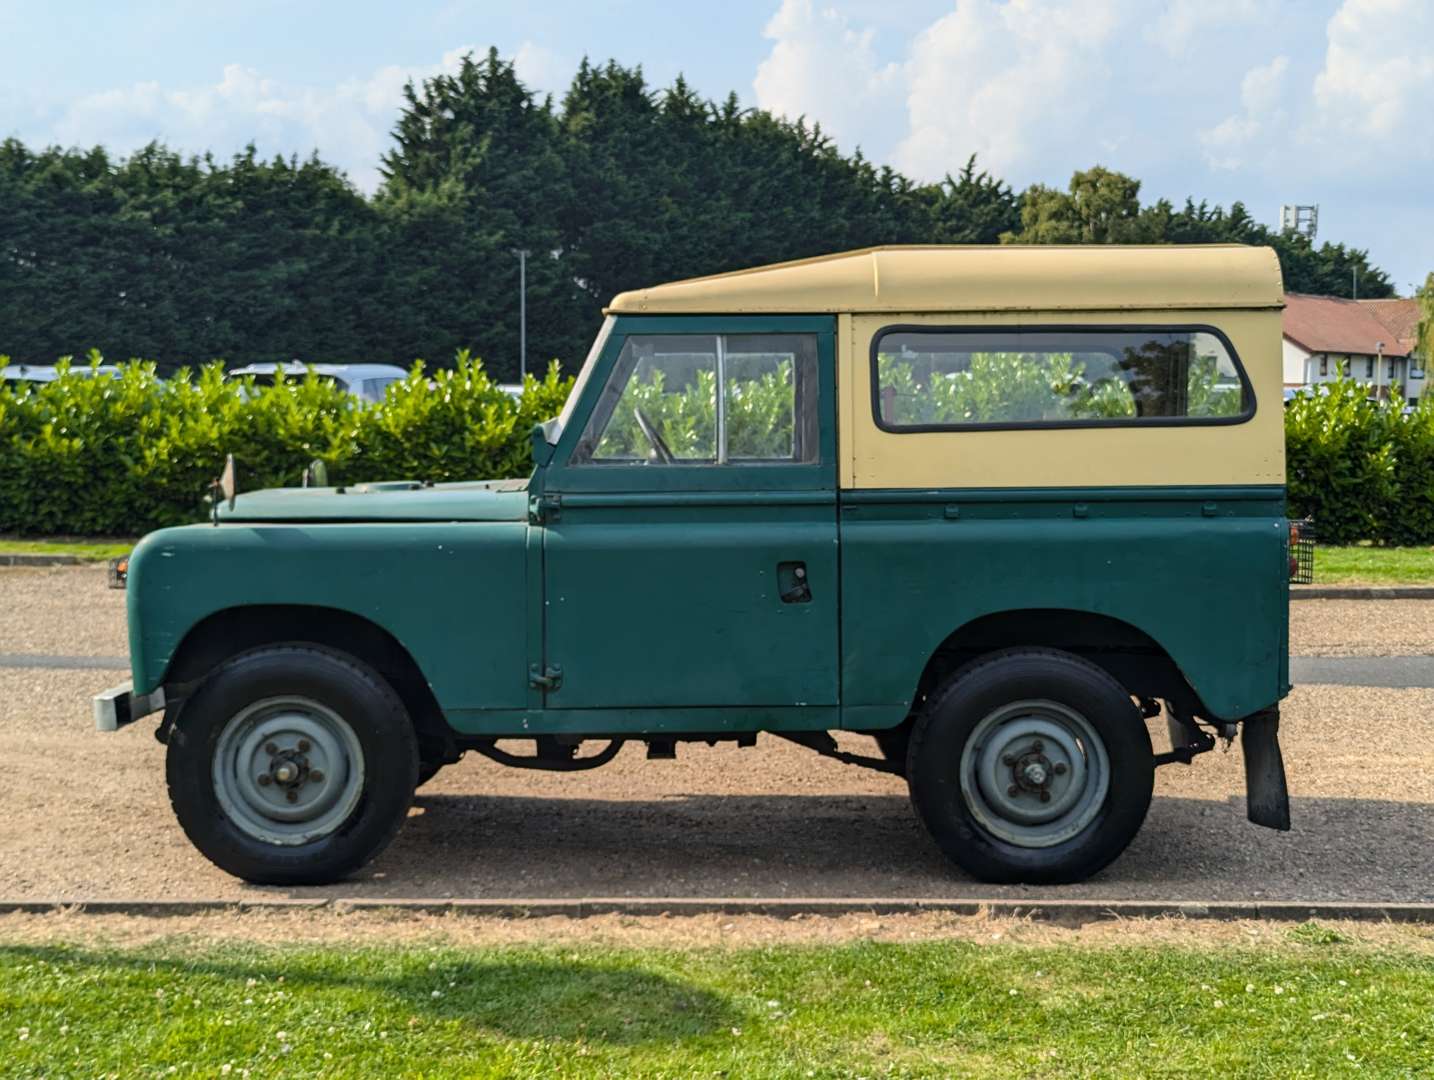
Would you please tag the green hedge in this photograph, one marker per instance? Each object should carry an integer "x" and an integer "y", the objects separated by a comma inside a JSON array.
[
  {"x": 1363, "y": 470},
  {"x": 118, "y": 456}
]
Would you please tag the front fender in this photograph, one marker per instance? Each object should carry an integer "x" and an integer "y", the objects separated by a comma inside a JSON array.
[{"x": 452, "y": 593}]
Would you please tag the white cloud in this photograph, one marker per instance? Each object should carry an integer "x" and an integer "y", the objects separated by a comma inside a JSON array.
[
  {"x": 541, "y": 69},
  {"x": 1377, "y": 82},
  {"x": 1261, "y": 96},
  {"x": 348, "y": 123},
  {"x": 1263, "y": 87},
  {"x": 1015, "y": 83},
  {"x": 1031, "y": 84},
  {"x": 1176, "y": 28},
  {"x": 1369, "y": 100},
  {"x": 1225, "y": 99},
  {"x": 821, "y": 68}
]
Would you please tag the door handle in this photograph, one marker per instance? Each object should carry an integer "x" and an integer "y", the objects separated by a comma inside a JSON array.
[{"x": 792, "y": 583}]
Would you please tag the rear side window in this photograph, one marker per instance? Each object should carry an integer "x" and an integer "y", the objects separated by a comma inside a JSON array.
[{"x": 935, "y": 379}]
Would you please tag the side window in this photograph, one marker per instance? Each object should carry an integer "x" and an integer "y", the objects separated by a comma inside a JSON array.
[
  {"x": 951, "y": 379},
  {"x": 374, "y": 389},
  {"x": 662, "y": 404}
]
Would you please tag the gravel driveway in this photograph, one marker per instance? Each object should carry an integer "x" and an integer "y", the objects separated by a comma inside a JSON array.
[{"x": 87, "y": 815}]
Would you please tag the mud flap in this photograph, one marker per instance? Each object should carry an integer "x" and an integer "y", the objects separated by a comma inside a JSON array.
[{"x": 1267, "y": 799}]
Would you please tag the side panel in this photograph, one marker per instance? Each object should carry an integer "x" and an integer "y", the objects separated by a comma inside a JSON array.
[
  {"x": 1202, "y": 571},
  {"x": 453, "y": 594},
  {"x": 659, "y": 602}
]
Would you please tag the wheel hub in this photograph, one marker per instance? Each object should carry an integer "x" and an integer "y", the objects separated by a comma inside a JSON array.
[
  {"x": 287, "y": 773},
  {"x": 288, "y": 770},
  {"x": 1034, "y": 773}
]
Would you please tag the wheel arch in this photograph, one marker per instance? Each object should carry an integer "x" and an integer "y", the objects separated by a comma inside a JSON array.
[
  {"x": 235, "y": 630},
  {"x": 1130, "y": 655}
]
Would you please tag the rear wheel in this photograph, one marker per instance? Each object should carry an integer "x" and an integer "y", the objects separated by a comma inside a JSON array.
[
  {"x": 1031, "y": 766},
  {"x": 292, "y": 765}
]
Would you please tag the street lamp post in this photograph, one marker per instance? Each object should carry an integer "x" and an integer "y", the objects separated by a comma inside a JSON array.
[{"x": 522, "y": 254}]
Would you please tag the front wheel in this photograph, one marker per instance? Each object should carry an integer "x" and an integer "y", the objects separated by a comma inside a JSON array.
[
  {"x": 292, "y": 765},
  {"x": 1031, "y": 765}
]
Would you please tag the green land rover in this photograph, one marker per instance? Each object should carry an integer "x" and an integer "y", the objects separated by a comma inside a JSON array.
[{"x": 998, "y": 508}]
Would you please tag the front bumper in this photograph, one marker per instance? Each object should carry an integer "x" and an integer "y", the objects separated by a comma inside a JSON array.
[{"x": 120, "y": 705}]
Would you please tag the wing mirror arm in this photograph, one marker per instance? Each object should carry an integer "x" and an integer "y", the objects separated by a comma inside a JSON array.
[{"x": 224, "y": 488}]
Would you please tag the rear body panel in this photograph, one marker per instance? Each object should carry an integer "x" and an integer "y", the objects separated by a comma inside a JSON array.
[{"x": 1200, "y": 570}]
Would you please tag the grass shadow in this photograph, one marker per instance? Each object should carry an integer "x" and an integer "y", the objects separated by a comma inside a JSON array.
[{"x": 516, "y": 993}]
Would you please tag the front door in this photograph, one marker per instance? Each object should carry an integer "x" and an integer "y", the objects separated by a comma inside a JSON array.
[{"x": 689, "y": 548}]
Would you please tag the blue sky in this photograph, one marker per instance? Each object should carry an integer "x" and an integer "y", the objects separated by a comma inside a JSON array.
[{"x": 1271, "y": 101}]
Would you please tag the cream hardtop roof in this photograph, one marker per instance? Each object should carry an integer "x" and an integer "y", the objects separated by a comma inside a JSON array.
[{"x": 1015, "y": 277}]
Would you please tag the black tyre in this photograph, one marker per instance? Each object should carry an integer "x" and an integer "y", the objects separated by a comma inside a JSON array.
[
  {"x": 292, "y": 765},
  {"x": 1031, "y": 765}
]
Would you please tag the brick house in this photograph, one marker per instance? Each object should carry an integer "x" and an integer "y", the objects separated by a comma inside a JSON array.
[{"x": 1371, "y": 341}]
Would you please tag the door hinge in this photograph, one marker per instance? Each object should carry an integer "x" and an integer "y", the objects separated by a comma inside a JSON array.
[
  {"x": 547, "y": 678},
  {"x": 543, "y": 509}
]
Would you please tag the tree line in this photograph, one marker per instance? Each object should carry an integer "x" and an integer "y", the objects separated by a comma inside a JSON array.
[{"x": 617, "y": 185}]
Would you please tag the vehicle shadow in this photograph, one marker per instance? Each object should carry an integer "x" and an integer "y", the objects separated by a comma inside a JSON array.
[
  {"x": 518, "y": 993},
  {"x": 726, "y": 845}
]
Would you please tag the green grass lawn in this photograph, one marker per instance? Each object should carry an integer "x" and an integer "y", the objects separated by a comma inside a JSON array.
[
  {"x": 1372, "y": 565},
  {"x": 82, "y": 549},
  {"x": 1311, "y": 1007}
]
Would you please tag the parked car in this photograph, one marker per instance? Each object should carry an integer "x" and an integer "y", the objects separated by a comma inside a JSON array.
[
  {"x": 997, "y": 508},
  {"x": 16, "y": 374},
  {"x": 367, "y": 381}
]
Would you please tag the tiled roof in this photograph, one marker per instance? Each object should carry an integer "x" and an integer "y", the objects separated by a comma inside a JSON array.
[
  {"x": 1401, "y": 316},
  {"x": 1328, "y": 324}
]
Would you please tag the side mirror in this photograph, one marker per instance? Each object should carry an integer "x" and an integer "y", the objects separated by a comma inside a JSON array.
[
  {"x": 316, "y": 475},
  {"x": 542, "y": 448},
  {"x": 225, "y": 488},
  {"x": 228, "y": 482}
]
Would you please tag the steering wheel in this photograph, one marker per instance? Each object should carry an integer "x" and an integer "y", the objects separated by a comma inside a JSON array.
[{"x": 664, "y": 455}]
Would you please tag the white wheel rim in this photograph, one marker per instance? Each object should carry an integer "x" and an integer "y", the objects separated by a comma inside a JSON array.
[
  {"x": 288, "y": 770},
  {"x": 1034, "y": 773}
]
